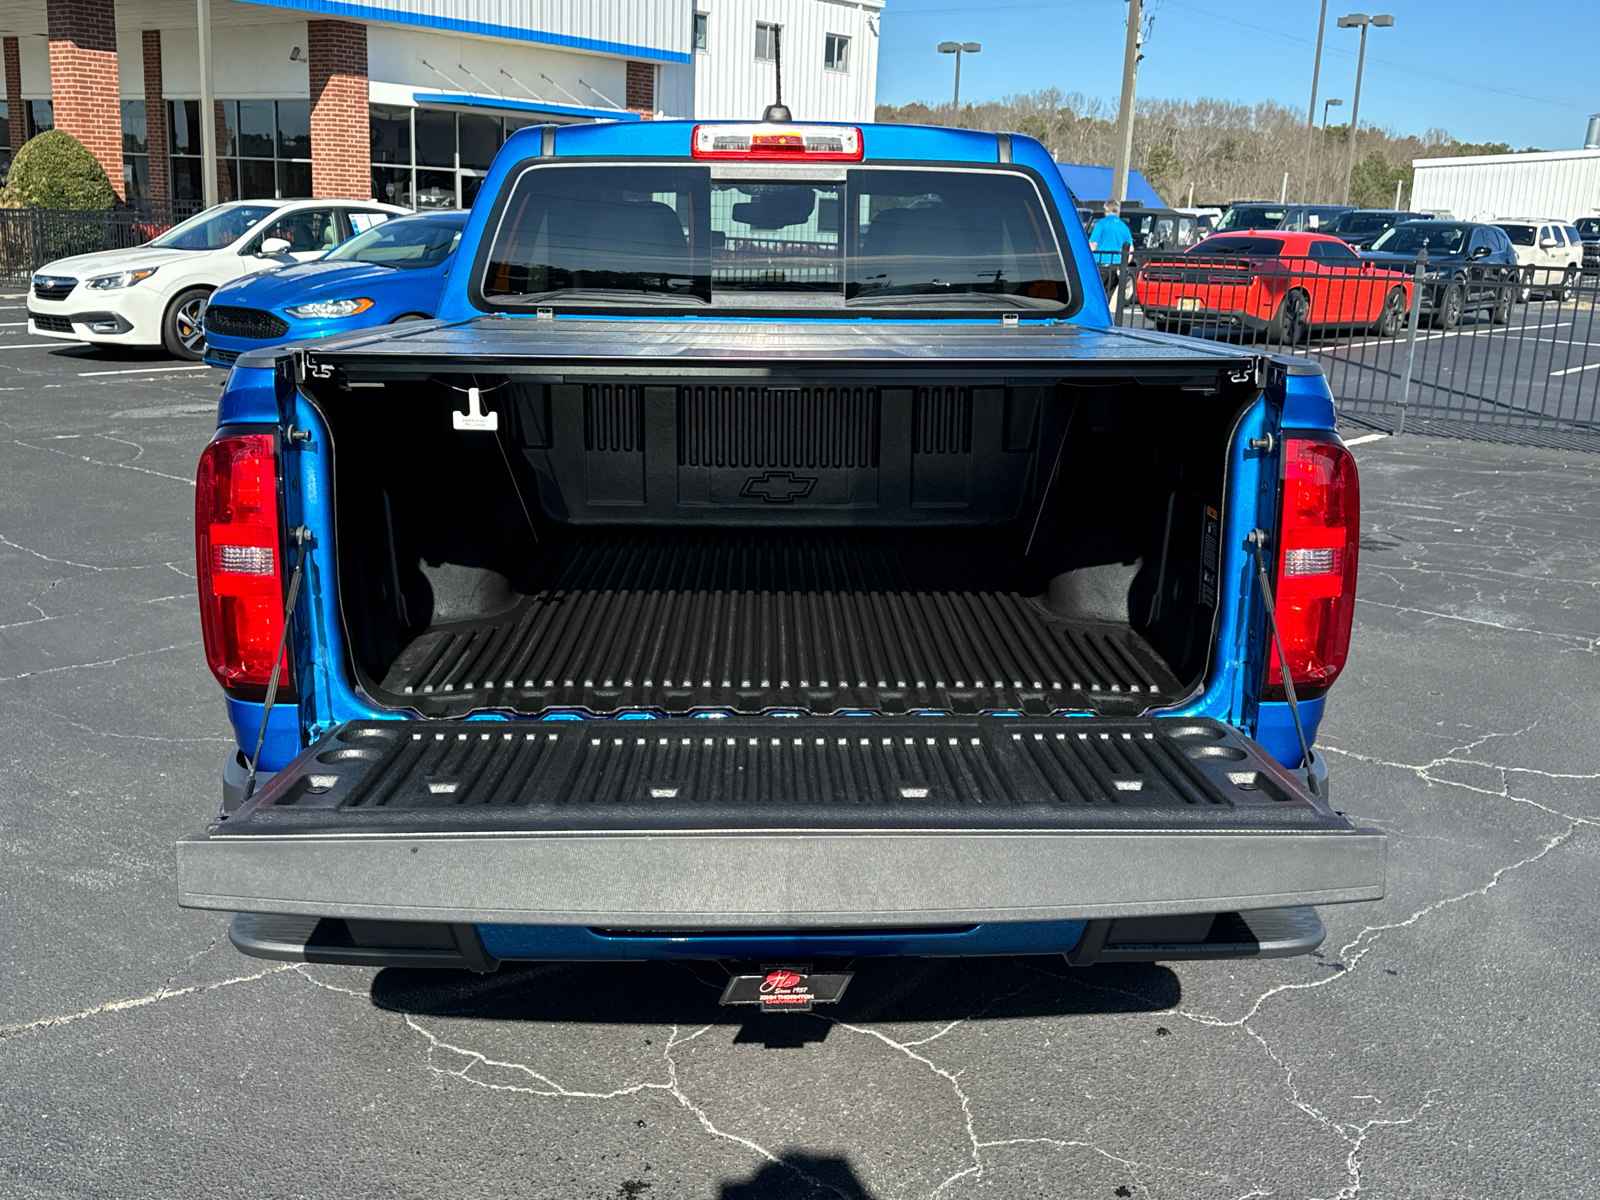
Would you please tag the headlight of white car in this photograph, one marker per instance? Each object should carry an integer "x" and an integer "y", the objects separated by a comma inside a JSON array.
[
  {"x": 122, "y": 279},
  {"x": 323, "y": 309}
]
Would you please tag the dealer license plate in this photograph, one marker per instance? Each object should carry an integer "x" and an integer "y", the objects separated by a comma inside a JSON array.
[{"x": 786, "y": 987}]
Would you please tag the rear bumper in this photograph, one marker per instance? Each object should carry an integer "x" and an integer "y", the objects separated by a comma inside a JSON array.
[{"x": 1263, "y": 933}]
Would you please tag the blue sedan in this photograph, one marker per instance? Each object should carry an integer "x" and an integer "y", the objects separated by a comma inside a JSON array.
[{"x": 392, "y": 272}]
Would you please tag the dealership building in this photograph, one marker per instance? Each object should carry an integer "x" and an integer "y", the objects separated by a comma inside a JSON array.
[{"x": 403, "y": 100}]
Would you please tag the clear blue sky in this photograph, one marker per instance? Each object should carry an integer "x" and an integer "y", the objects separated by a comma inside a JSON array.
[{"x": 1486, "y": 70}]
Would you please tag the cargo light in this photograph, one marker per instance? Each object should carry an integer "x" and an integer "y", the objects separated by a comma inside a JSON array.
[
  {"x": 774, "y": 141},
  {"x": 239, "y": 562},
  {"x": 1319, "y": 530}
]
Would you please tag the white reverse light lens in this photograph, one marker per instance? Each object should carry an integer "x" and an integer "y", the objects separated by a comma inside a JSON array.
[
  {"x": 242, "y": 560},
  {"x": 122, "y": 279},
  {"x": 324, "y": 309},
  {"x": 1324, "y": 561}
]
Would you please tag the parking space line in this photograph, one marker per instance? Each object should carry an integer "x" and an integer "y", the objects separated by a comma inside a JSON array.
[
  {"x": 145, "y": 370},
  {"x": 1576, "y": 370},
  {"x": 9, "y": 324},
  {"x": 1367, "y": 437},
  {"x": 40, "y": 345}
]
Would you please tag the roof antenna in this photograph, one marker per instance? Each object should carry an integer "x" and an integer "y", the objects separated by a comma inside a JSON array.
[{"x": 778, "y": 110}]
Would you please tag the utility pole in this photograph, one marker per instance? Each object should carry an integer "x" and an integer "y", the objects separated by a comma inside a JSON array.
[
  {"x": 1130, "y": 72},
  {"x": 1311, "y": 111},
  {"x": 208, "y": 108}
]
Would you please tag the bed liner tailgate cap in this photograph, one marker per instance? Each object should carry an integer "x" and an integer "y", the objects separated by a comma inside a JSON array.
[{"x": 755, "y": 823}]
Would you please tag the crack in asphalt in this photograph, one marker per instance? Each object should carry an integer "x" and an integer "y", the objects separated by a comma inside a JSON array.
[
  {"x": 102, "y": 463},
  {"x": 155, "y": 997}
]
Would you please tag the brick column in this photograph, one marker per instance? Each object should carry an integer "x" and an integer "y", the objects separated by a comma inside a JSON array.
[
  {"x": 83, "y": 78},
  {"x": 16, "y": 112},
  {"x": 155, "y": 119},
  {"x": 641, "y": 94},
  {"x": 341, "y": 135}
]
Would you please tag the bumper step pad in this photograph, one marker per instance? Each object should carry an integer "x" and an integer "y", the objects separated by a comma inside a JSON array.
[
  {"x": 750, "y": 622},
  {"x": 779, "y": 823}
]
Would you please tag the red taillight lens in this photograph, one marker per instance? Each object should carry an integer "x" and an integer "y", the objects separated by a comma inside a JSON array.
[
  {"x": 237, "y": 552},
  {"x": 1319, "y": 531}
]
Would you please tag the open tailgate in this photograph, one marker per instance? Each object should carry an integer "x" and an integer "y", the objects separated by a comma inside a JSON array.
[{"x": 768, "y": 823}]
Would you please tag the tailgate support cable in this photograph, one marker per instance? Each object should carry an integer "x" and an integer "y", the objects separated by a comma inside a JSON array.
[
  {"x": 302, "y": 537},
  {"x": 1258, "y": 541}
]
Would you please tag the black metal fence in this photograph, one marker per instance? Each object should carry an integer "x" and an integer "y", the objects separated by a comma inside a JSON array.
[
  {"x": 1472, "y": 349},
  {"x": 32, "y": 237}
]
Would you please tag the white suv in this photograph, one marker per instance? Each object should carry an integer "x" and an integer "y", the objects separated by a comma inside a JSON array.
[
  {"x": 154, "y": 295},
  {"x": 1550, "y": 253}
]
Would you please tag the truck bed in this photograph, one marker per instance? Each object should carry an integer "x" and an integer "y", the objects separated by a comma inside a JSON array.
[{"x": 754, "y": 621}]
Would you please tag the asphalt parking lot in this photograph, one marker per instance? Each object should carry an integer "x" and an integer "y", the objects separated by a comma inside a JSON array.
[{"x": 1440, "y": 1045}]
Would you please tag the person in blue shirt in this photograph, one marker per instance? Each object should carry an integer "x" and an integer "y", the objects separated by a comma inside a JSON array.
[
  {"x": 1109, "y": 235},
  {"x": 1107, "y": 238}
]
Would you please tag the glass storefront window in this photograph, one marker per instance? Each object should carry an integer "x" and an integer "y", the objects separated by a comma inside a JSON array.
[
  {"x": 436, "y": 189},
  {"x": 256, "y": 132},
  {"x": 41, "y": 116},
  {"x": 392, "y": 185},
  {"x": 134, "y": 131},
  {"x": 294, "y": 129},
  {"x": 479, "y": 140},
  {"x": 391, "y": 135},
  {"x": 263, "y": 148},
  {"x": 257, "y": 179},
  {"x": 436, "y": 139},
  {"x": 294, "y": 179},
  {"x": 462, "y": 146}
]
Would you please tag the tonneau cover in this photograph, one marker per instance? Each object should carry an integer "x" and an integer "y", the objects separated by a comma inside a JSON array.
[{"x": 686, "y": 342}]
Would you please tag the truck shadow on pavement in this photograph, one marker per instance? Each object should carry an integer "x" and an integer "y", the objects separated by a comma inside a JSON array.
[{"x": 687, "y": 993}]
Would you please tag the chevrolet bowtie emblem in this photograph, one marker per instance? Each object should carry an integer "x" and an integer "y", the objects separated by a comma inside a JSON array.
[{"x": 778, "y": 487}]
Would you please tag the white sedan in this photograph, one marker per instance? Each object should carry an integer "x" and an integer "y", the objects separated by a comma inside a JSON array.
[{"x": 154, "y": 295}]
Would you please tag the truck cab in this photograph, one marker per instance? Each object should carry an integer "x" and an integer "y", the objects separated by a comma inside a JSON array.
[{"x": 772, "y": 553}]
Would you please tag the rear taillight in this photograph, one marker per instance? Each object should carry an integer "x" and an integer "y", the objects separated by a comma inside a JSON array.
[
  {"x": 1318, "y": 534},
  {"x": 237, "y": 550}
]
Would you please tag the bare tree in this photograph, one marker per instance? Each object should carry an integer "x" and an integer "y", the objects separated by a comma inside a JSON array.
[{"x": 1227, "y": 151}]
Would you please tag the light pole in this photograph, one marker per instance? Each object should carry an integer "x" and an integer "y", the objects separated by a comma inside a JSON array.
[
  {"x": 1322, "y": 157},
  {"x": 1311, "y": 112},
  {"x": 1383, "y": 21},
  {"x": 958, "y": 49}
]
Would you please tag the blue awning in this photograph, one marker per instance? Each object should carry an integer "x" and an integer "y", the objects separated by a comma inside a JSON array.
[
  {"x": 506, "y": 104},
  {"x": 1090, "y": 185}
]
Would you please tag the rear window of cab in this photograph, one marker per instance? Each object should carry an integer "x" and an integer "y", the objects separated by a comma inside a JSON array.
[{"x": 619, "y": 233}]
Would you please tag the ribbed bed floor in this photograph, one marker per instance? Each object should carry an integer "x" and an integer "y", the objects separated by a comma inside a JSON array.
[{"x": 751, "y": 621}]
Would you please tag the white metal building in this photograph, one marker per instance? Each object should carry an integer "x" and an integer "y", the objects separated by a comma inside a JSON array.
[{"x": 1555, "y": 183}]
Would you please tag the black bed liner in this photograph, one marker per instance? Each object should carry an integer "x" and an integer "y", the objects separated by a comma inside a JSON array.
[{"x": 750, "y": 622}]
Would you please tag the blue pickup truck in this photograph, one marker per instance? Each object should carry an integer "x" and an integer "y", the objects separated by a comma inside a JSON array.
[{"x": 772, "y": 554}]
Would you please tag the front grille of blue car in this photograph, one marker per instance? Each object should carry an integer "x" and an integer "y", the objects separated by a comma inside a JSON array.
[{"x": 232, "y": 321}]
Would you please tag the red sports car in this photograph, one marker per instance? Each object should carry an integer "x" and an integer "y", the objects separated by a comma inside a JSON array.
[{"x": 1279, "y": 283}]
